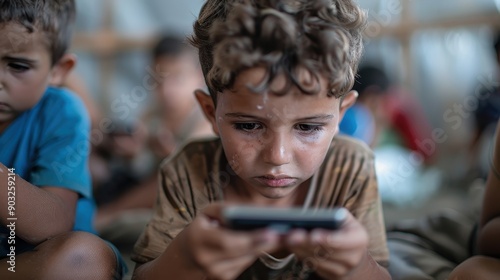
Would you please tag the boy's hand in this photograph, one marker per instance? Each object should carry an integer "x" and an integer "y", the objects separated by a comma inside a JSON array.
[
  {"x": 331, "y": 254},
  {"x": 222, "y": 253}
]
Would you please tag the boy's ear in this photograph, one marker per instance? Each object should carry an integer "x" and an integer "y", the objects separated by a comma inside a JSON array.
[
  {"x": 61, "y": 69},
  {"x": 348, "y": 100},
  {"x": 207, "y": 105}
]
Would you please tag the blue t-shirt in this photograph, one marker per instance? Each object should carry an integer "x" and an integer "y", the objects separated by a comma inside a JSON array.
[
  {"x": 48, "y": 145},
  {"x": 358, "y": 122}
]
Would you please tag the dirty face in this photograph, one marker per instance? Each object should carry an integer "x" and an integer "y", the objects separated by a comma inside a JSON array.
[{"x": 274, "y": 143}]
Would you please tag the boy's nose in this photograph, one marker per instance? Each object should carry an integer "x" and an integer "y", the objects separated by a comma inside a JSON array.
[{"x": 277, "y": 150}]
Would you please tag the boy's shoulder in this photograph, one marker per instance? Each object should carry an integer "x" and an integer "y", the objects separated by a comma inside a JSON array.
[
  {"x": 61, "y": 97},
  {"x": 56, "y": 106},
  {"x": 193, "y": 166},
  {"x": 60, "y": 105},
  {"x": 206, "y": 146}
]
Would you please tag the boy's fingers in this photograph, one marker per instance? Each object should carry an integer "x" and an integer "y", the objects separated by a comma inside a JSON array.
[
  {"x": 297, "y": 238},
  {"x": 351, "y": 235},
  {"x": 238, "y": 243},
  {"x": 345, "y": 240},
  {"x": 328, "y": 259},
  {"x": 214, "y": 211},
  {"x": 265, "y": 240},
  {"x": 248, "y": 243},
  {"x": 320, "y": 242}
]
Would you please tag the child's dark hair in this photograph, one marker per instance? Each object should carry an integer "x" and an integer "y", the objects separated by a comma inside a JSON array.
[
  {"x": 53, "y": 17},
  {"x": 323, "y": 37},
  {"x": 371, "y": 77},
  {"x": 170, "y": 45}
]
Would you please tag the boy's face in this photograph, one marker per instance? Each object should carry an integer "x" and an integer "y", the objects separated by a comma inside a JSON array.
[
  {"x": 180, "y": 78},
  {"x": 275, "y": 143},
  {"x": 25, "y": 70}
]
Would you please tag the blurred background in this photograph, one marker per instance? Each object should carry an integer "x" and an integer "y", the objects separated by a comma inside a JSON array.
[{"x": 438, "y": 64}]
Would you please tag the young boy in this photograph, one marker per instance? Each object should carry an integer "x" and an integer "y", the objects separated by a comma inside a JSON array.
[
  {"x": 174, "y": 117},
  {"x": 44, "y": 182},
  {"x": 279, "y": 75}
]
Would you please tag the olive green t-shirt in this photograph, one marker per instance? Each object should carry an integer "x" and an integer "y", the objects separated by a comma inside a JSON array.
[{"x": 197, "y": 174}]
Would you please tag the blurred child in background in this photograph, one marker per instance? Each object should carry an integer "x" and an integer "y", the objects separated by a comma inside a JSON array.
[
  {"x": 174, "y": 117},
  {"x": 486, "y": 116}
]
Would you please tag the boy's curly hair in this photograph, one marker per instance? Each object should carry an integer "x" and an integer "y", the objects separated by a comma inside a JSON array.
[
  {"x": 323, "y": 37},
  {"x": 53, "y": 17}
]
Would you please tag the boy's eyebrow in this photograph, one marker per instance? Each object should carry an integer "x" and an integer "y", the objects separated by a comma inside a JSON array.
[
  {"x": 318, "y": 117},
  {"x": 20, "y": 59},
  {"x": 241, "y": 116},
  {"x": 311, "y": 118}
]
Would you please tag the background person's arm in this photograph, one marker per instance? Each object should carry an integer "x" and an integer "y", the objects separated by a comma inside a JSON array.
[
  {"x": 172, "y": 262},
  {"x": 142, "y": 196},
  {"x": 41, "y": 213},
  {"x": 488, "y": 241}
]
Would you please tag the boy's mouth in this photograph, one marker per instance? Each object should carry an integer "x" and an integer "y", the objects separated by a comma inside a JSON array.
[{"x": 276, "y": 181}]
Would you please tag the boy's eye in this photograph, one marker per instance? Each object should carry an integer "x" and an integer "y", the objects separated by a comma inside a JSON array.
[
  {"x": 247, "y": 126},
  {"x": 18, "y": 67},
  {"x": 308, "y": 127}
]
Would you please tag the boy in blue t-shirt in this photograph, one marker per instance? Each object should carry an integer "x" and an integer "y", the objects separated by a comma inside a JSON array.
[{"x": 45, "y": 189}]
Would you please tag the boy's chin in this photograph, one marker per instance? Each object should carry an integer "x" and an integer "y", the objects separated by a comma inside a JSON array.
[{"x": 276, "y": 192}]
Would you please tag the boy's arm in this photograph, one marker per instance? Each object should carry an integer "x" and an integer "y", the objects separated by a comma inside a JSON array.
[
  {"x": 49, "y": 210},
  {"x": 488, "y": 242},
  {"x": 339, "y": 254},
  {"x": 206, "y": 249},
  {"x": 141, "y": 196},
  {"x": 172, "y": 262},
  {"x": 359, "y": 248},
  {"x": 367, "y": 269}
]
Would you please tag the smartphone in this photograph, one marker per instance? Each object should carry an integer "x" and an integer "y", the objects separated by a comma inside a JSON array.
[{"x": 282, "y": 219}]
